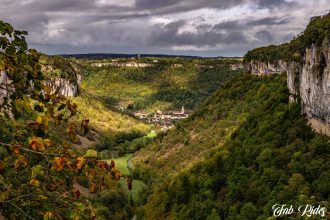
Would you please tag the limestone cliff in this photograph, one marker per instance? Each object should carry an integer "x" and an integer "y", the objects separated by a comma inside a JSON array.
[
  {"x": 65, "y": 87},
  {"x": 5, "y": 86},
  {"x": 264, "y": 68},
  {"x": 308, "y": 80}
]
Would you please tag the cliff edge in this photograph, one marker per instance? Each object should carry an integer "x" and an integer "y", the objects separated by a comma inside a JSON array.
[{"x": 306, "y": 61}]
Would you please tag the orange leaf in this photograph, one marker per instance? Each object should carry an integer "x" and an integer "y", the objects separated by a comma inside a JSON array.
[
  {"x": 90, "y": 173},
  {"x": 113, "y": 164},
  {"x": 80, "y": 163},
  {"x": 92, "y": 187},
  {"x": 20, "y": 162},
  {"x": 59, "y": 163},
  {"x": 16, "y": 148},
  {"x": 65, "y": 195},
  {"x": 116, "y": 173},
  {"x": 76, "y": 192},
  {"x": 101, "y": 164},
  {"x": 34, "y": 182},
  {"x": 36, "y": 144},
  {"x": 2, "y": 165}
]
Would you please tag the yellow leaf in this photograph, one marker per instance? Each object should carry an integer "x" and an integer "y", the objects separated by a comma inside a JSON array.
[
  {"x": 3, "y": 196},
  {"x": 42, "y": 197},
  {"x": 37, "y": 170},
  {"x": 47, "y": 89},
  {"x": 2, "y": 65},
  {"x": 80, "y": 163},
  {"x": 48, "y": 215},
  {"x": 39, "y": 119},
  {"x": 91, "y": 153},
  {"x": 65, "y": 195},
  {"x": 48, "y": 142}
]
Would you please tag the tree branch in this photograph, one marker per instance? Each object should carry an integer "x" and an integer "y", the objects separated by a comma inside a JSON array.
[
  {"x": 21, "y": 211},
  {"x": 19, "y": 197}
]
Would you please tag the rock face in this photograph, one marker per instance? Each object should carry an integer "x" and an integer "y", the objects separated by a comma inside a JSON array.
[
  {"x": 236, "y": 66},
  {"x": 313, "y": 82},
  {"x": 65, "y": 87},
  {"x": 308, "y": 80},
  {"x": 5, "y": 86},
  {"x": 260, "y": 68}
]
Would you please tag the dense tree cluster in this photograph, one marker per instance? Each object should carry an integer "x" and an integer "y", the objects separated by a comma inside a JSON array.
[
  {"x": 273, "y": 156},
  {"x": 38, "y": 168}
]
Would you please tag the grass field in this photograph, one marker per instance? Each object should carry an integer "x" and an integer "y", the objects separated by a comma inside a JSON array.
[
  {"x": 138, "y": 185},
  {"x": 121, "y": 163}
]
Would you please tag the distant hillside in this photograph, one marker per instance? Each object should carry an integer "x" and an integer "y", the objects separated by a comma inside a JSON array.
[
  {"x": 166, "y": 84},
  {"x": 114, "y": 55},
  {"x": 243, "y": 150}
]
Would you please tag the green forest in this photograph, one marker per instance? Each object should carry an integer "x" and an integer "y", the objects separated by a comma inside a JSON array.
[
  {"x": 169, "y": 83},
  {"x": 268, "y": 155}
]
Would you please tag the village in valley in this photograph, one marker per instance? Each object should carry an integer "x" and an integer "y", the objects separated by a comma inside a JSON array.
[{"x": 164, "y": 119}]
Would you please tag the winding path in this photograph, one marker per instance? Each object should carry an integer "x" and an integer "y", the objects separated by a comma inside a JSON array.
[{"x": 130, "y": 164}]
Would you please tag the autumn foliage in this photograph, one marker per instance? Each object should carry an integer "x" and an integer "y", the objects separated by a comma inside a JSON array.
[{"x": 37, "y": 170}]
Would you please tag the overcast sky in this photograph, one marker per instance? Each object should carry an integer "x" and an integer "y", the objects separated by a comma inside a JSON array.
[{"x": 187, "y": 27}]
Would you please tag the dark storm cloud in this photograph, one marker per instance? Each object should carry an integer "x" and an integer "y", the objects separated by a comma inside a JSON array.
[
  {"x": 155, "y": 3},
  {"x": 274, "y": 3},
  {"x": 183, "y": 5},
  {"x": 264, "y": 36},
  {"x": 246, "y": 25},
  {"x": 168, "y": 35},
  {"x": 270, "y": 21},
  {"x": 226, "y": 26}
]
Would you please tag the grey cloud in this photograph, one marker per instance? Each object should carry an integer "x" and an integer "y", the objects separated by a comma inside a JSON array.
[
  {"x": 169, "y": 35},
  {"x": 270, "y": 21},
  {"x": 246, "y": 25},
  {"x": 264, "y": 36},
  {"x": 274, "y": 3},
  {"x": 155, "y": 3},
  {"x": 143, "y": 25},
  {"x": 228, "y": 25}
]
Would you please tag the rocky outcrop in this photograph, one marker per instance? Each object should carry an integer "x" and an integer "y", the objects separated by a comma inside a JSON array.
[
  {"x": 308, "y": 80},
  {"x": 236, "y": 66},
  {"x": 5, "y": 86},
  {"x": 65, "y": 87},
  {"x": 261, "y": 68},
  {"x": 311, "y": 82}
]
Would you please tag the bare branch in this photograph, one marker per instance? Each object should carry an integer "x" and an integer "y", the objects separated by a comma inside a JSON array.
[
  {"x": 22, "y": 211},
  {"x": 19, "y": 197}
]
